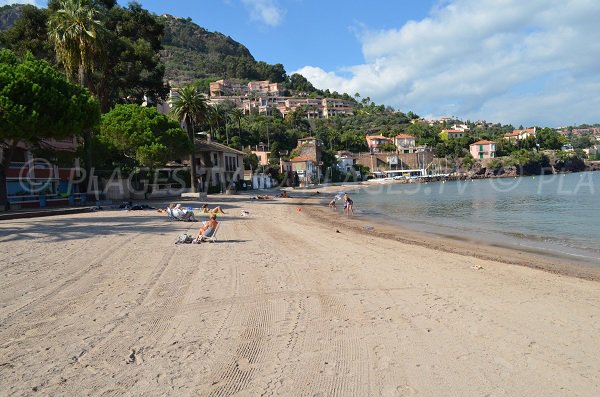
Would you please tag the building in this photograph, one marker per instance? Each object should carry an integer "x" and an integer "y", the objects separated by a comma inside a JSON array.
[
  {"x": 345, "y": 161},
  {"x": 217, "y": 165},
  {"x": 334, "y": 107},
  {"x": 37, "y": 182},
  {"x": 405, "y": 143},
  {"x": 520, "y": 135},
  {"x": 455, "y": 134},
  {"x": 308, "y": 172},
  {"x": 308, "y": 158},
  {"x": 374, "y": 142},
  {"x": 235, "y": 88},
  {"x": 262, "y": 153},
  {"x": 483, "y": 149}
]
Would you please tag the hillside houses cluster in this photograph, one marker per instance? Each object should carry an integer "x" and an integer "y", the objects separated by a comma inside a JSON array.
[{"x": 263, "y": 97}]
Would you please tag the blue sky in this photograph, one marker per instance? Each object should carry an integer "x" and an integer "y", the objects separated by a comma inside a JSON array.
[{"x": 534, "y": 62}]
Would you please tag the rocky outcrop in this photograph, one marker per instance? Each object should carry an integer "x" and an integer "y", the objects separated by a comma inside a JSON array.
[
  {"x": 592, "y": 166},
  {"x": 569, "y": 164}
]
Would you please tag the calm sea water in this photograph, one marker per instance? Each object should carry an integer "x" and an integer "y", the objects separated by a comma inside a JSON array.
[{"x": 558, "y": 214}]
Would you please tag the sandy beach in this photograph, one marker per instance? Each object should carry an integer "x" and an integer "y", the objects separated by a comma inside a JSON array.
[{"x": 292, "y": 300}]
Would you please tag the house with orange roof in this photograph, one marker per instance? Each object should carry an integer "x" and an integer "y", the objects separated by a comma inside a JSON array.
[
  {"x": 520, "y": 135},
  {"x": 307, "y": 170},
  {"x": 375, "y": 141},
  {"x": 405, "y": 143},
  {"x": 307, "y": 163},
  {"x": 483, "y": 149}
]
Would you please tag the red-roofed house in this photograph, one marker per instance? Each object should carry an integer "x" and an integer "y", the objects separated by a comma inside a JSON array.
[
  {"x": 405, "y": 143},
  {"x": 374, "y": 141},
  {"x": 307, "y": 170},
  {"x": 519, "y": 135},
  {"x": 483, "y": 149}
]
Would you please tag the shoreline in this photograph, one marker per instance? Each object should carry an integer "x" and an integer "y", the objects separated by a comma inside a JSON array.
[{"x": 524, "y": 256}]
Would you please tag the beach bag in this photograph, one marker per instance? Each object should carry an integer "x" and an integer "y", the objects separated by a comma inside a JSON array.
[{"x": 184, "y": 239}]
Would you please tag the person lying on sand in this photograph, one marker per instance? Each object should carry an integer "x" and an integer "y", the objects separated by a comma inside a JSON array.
[
  {"x": 261, "y": 197},
  {"x": 215, "y": 210}
]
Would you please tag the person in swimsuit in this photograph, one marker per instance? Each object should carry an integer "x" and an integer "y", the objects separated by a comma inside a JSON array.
[{"x": 208, "y": 228}]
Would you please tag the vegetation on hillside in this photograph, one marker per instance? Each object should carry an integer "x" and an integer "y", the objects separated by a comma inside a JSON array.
[{"x": 147, "y": 50}]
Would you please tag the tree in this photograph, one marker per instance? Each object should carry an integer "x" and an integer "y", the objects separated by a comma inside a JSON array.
[
  {"x": 143, "y": 134},
  {"x": 236, "y": 115},
  {"x": 36, "y": 103},
  {"x": 548, "y": 138},
  {"x": 191, "y": 108},
  {"x": 73, "y": 30},
  {"x": 130, "y": 69},
  {"x": 29, "y": 34}
]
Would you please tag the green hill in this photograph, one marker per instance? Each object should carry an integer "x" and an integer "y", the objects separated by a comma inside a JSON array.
[
  {"x": 193, "y": 53},
  {"x": 9, "y": 14}
]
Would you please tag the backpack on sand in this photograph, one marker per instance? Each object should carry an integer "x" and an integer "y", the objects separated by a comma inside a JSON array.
[{"x": 184, "y": 239}]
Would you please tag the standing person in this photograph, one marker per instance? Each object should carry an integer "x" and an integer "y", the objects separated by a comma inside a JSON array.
[{"x": 348, "y": 204}]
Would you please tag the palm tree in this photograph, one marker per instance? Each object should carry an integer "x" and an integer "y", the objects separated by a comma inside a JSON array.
[
  {"x": 73, "y": 30},
  {"x": 191, "y": 108},
  {"x": 236, "y": 115}
]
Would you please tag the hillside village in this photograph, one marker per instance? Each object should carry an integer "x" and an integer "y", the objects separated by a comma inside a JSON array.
[{"x": 260, "y": 133}]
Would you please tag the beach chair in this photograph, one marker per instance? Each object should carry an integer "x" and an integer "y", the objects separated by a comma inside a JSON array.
[{"x": 213, "y": 237}]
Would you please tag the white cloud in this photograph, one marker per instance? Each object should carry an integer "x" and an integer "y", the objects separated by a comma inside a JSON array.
[
  {"x": 265, "y": 11},
  {"x": 510, "y": 61},
  {"x": 32, "y": 2}
]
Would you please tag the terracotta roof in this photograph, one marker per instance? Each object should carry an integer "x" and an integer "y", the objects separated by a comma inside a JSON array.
[
  {"x": 404, "y": 136},
  {"x": 514, "y": 133},
  {"x": 525, "y": 130},
  {"x": 377, "y": 137},
  {"x": 301, "y": 158},
  {"x": 482, "y": 143},
  {"x": 455, "y": 131}
]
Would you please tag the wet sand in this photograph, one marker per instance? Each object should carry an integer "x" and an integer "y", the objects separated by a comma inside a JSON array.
[{"x": 290, "y": 301}]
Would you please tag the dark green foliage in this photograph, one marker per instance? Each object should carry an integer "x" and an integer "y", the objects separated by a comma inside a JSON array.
[
  {"x": 25, "y": 30},
  {"x": 125, "y": 71},
  {"x": 548, "y": 138},
  {"x": 528, "y": 162},
  {"x": 131, "y": 68},
  {"x": 38, "y": 102},
  {"x": 143, "y": 134}
]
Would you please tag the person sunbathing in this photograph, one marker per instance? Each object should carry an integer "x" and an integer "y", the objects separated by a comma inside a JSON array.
[
  {"x": 179, "y": 212},
  {"x": 215, "y": 210},
  {"x": 208, "y": 228}
]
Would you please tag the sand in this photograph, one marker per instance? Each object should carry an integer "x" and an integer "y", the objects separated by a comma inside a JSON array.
[{"x": 287, "y": 302}]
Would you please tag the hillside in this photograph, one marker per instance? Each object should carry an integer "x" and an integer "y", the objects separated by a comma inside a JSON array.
[
  {"x": 9, "y": 14},
  {"x": 193, "y": 53}
]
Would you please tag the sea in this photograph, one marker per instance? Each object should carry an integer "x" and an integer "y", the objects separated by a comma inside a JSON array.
[{"x": 558, "y": 215}]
